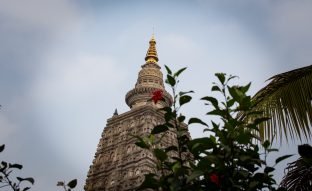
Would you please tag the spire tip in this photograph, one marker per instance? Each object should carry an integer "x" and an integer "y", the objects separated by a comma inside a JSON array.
[{"x": 151, "y": 55}]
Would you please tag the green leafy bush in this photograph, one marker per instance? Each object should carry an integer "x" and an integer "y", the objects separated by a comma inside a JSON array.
[
  {"x": 15, "y": 184},
  {"x": 6, "y": 181},
  {"x": 228, "y": 159}
]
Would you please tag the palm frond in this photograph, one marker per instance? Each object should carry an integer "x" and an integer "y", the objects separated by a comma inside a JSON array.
[
  {"x": 287, "y": 100},
  {"x": 298, "y": 177}
]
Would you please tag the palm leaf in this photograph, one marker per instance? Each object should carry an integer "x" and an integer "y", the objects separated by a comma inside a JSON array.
[
  {"x": 299, "y": 172},
  {"x": 287, "y": 100},
  {"x": 298, "y": 177}
]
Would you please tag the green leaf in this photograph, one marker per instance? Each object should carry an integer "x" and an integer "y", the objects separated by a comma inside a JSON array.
[
  {"x": 266, "y": 144},
  {"x": 60, "y": 183},
  {"x": 166, "y": 109},
  {"x": 179, "y": 72},
  {"x": 160, "y": 154},
  {"x": 149, "y": 182},
  {"x": 169, "y": 116},
  {"x": 245, "y": 102},
  {"x": 272, "y": 150},
  {"x": 184, "y": 99},
  {"x": 305, "y": 151},
  {"x": 215, "y": 126},
  {"x": 221, "y": 77},
  {"x": 243, "y": 138},
  {"x": 236, "y": 94},
  {"x": 2, "y": 148},
  {"x": 142, "y": 144},
  {"x": 196, "y": 120},
  {"x": 171, "y": 81},
  {"x": 181, "y": 118},
  {"x": 253, "y": 184},
  {"x": 18, "y": 166},
  {"x": 176, "y": 167},
  {"x": 168, "y": 70},
  {"x": 151, "y": 138},
  {"x": 268, "y": 169},
  {"x": 215, "y": 88},
  {"x": 4, "y": 164},
  {"x": 279, "y": 159},
  {"x": 260, "y": 120},
  {"x": 244, "y": 89},
  {"x": 243, "y": 173},
  {"x": 183, "y": 93},
  {"x": 245, "y": 157},
  {"x": 159, "y": 129},
  {"x": 195, "y": 174},
  {"x": 72, "y": 183},
  {"x": 201, "y": 143},
  {"x": 31, "y": 180},
  {"x": 207, "y": 129},
  {"x": 232, "y": 77},
  {"x": 212, "y": 100},
  {"x": 230, "y": 102},
  {"x": 217, "y": 112}
]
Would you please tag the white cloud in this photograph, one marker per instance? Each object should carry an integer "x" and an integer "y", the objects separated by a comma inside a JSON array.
[
  {"x": 179, "y": 51},
  {"x": 46, "y": 14},
  {"x": 7, "y": 128},
  {"x": 291, "y": 20},
  {"x": 70, "y": 97},
  {"x": 76, "y": 78},
  {"x": 291, "y": 26},
  {"x": 179, "y": 43}
]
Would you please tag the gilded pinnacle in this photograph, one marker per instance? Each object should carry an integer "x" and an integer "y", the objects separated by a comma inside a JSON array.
[
  {"x": 151, "y": 55},
  {"x": 150, "y": 80}
]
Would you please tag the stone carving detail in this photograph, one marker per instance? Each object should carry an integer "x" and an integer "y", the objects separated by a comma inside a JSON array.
[{"x": 119, "y": 165}]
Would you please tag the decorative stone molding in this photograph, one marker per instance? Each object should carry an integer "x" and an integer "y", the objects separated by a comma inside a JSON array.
[{"x": 119, "y": 165}]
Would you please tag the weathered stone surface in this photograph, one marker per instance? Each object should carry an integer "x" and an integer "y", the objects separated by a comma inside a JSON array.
[{"x": 119, "y": 165}]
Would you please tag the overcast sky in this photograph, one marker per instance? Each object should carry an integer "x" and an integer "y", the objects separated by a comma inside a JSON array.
[{"x": 65, "y": 65}]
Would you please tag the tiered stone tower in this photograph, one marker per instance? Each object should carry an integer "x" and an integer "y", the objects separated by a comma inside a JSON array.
[{"x": 119, "y": 165}]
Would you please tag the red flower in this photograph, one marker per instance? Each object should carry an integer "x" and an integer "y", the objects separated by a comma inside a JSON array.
[
  {"x": 157, "y": 95},
  {"x": 215, "y": 179}
]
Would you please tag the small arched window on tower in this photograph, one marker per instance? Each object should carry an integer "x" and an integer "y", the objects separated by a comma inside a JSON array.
[
  {"x": 137, "y": 172},
  {"x": 130, "y": 173},
  {"x": 112, "y": 155},
  {"x": 99, "y": 159},
  {"x": 129, "y": 149},
  {"x": 112, "y": 182},
  {"x": 132, "y": 124}
]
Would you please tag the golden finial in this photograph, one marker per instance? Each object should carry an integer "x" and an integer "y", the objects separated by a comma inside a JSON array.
[{"x": 151, "y": 55}]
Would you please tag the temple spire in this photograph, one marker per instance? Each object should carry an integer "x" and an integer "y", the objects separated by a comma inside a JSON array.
[
  {"x": 151, "y": 55},
  {"x": 150, "y": 79}
]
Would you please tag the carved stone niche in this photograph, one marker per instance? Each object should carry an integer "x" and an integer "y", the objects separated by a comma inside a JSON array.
[{"x": 118, "y": 153}]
